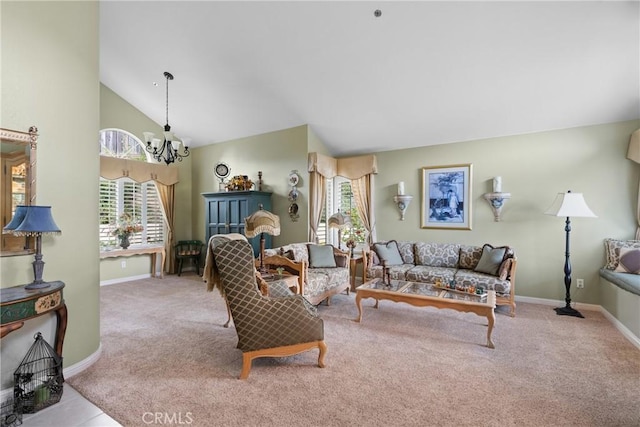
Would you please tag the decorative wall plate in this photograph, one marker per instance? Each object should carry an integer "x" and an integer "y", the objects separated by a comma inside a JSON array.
[
  {"x": 293, "y": 179},
  {"x": 293, "y": 194},
  {"x": 222, "y": 171}
]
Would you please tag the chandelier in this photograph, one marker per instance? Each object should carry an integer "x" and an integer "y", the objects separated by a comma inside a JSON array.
[{"x": 167, "y": 150}]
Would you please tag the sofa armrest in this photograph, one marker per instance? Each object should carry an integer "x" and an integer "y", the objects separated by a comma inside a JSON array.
[
  {"x": 341, "y": 257},
  {"x": 298, "y": 268}
]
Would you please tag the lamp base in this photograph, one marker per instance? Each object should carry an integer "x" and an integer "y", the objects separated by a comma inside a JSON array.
[
  {"x": 568, "y": 311},
  {"x": 37, "y": 285}
]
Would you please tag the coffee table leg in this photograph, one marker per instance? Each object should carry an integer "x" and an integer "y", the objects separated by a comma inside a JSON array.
[
  {"x": 359, "y": 305},
  {"x": 491, "y": 318}
]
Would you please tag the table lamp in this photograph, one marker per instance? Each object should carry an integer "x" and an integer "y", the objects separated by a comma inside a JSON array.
[
  {"x": 37, "y": 220},
  {"x": 340, "y": 221},
  {"x": 261, "y": 222},
  {"x": 569, "y": 204}
]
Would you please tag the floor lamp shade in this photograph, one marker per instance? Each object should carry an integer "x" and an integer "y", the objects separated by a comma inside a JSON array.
[
  {"x": 567, "y": 205},
  {"x": 570, "y": 204}
]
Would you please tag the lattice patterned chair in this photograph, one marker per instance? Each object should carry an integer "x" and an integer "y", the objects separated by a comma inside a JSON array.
[{"x": 266, "y": 327}]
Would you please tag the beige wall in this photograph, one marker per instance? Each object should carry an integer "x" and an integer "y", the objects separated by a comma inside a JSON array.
[
  {"x": 534, "y": 168},
  {"x": 50, "y": 79},
  {"x": 276, "y": 154}
]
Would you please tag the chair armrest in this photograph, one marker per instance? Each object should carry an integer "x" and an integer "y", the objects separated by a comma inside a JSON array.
[{"x": 298, "y": 268}]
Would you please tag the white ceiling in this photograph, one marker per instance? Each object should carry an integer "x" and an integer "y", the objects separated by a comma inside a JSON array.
[{"x": 423, "y": 73}]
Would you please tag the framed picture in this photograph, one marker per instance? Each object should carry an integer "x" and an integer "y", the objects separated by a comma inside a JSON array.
[{"x": 446, "y": 197}]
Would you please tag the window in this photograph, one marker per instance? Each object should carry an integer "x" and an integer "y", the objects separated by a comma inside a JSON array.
[
  {"x": 340, "y": 196},
  {"x": 140, "y": 200}
]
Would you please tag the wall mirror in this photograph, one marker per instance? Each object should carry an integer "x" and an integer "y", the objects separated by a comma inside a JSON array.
[{"x": 17, "y": 183}]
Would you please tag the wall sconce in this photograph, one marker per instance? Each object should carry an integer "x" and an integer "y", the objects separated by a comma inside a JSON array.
[
  {"x": 402, "y": 200},
  {"x": 497, "y": 198}
]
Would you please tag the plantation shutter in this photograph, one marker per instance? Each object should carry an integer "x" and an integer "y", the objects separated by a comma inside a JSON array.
[
  {"x": 108, "y": 209},
  {"x": 154, "y": 231}
]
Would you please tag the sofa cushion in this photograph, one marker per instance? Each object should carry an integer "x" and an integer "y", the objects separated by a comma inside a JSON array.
[
  {"x": 612, "y": 250},
  {"x": 321, "y": 256},
  {"x": 469, "y": 256},
  {"x": 406, "y": 252},
  {"x": 629, "y": 261},
  {"x": 487, "y": 281},
  {"x": 437, "y": 254},
  {"x": 396, "y": 272},
  {"x": 428, "y": 274},
  {"x": 491, "y": 259},
  {"x": 388, "y": 252}
]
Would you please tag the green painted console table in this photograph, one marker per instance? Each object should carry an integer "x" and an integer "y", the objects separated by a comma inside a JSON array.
[{"x": 18, "y": 305}]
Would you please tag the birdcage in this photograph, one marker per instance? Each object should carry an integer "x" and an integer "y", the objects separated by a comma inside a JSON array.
[
  {"x": 10, "y": 413},
  {"x": 38, "y": 380}
]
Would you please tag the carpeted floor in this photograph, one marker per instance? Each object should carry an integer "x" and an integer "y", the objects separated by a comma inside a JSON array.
[{"x": 165, "y": 352}]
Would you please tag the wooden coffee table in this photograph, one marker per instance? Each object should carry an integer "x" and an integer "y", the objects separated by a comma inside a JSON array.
[{"x": 427, "y": 295}]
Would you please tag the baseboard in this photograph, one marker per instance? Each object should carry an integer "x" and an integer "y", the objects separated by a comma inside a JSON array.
[
  {"x": 124, "y": 279},
  {"x": 623, "y": 329},
  {"x": 587, "y": 307},
  {"x": 557, "y": 303},
  {"x": 75, "y": 369}
]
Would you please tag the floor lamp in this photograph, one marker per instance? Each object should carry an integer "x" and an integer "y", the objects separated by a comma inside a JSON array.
[
  {"x": 261, "y": 222},
  {"x": 569, "y": 205},
  {"x": 340, "y": 221}
]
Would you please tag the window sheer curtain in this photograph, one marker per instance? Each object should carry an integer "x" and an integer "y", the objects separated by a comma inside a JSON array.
[
  {"x": 359, "y": 170},
  {"x": 634, "y": 154},
  {"x": 165, "y": 179}
]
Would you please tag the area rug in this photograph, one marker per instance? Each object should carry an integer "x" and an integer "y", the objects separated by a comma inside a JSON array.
[{"x": 165, "y": 353}]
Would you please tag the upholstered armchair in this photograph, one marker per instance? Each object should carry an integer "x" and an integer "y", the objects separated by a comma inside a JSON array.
[
  {"x": 266, "y": 327},
  {"x": 322, "y": 270}
]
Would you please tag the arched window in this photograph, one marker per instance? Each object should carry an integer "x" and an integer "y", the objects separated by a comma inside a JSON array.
[{"x": 123, "y": 195}]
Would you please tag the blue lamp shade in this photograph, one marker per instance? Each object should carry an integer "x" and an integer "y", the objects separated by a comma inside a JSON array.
[
  {"x": 18, "y": 217},
  {"x": 37, "y": 221}
]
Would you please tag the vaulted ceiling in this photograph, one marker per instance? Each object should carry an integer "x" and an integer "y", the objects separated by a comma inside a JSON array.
[{"x": 422, "y": 73}]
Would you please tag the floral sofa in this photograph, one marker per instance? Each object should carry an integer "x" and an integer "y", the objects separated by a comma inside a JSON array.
[
  {"x": 322, "y": 270},
  {"x": 493, "y": 268}
]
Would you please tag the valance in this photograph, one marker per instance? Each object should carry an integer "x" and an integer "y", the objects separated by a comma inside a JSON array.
[
  {"x": 348, "y": 167},
  {"x": 324, "y": 165},
  {"x": 114, "y": 168}
]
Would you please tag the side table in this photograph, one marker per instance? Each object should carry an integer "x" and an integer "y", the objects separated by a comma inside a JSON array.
[
  {"x": 353, "y": 265},
  {"x": 288, "y": 279},
  {"x": 18, "y": 305}
]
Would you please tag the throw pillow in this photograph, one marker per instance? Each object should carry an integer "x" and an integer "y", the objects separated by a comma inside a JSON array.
[
  {"x": 490, "y": 259},
  {"x": 505, "y": 267},
  {"x": 388, "y": 252},
  {"x": 629, "y": 261},
  {"x": 612, "y": 250},
  {"x": 321, "y": 256}
]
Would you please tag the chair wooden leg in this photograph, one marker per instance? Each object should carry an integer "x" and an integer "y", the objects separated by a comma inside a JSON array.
[
  {"x": 179, "y": 266},
  {"x": 323, "y": 350},
  {"x": 246, "y": 365}
]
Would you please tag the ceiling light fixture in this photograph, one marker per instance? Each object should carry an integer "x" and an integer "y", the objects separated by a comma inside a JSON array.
[{"x": 167, "y": 150}]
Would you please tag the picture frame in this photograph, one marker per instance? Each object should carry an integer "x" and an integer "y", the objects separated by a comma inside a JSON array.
[{"x": 446, "y": 197}]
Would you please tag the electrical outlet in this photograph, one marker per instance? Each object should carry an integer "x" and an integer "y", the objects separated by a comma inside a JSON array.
[
  {"x": 580, "y": 283},
  {"x": 123, "y": 264}
]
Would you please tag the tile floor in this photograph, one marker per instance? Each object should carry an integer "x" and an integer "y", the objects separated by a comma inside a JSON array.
[{"x": 72, "y": 410}]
